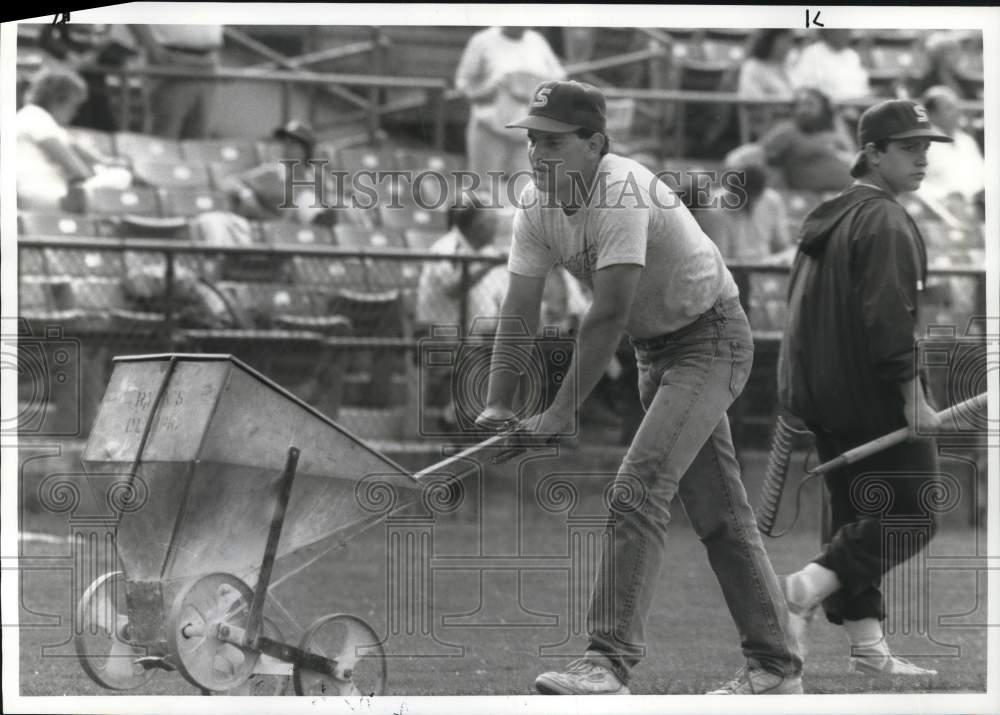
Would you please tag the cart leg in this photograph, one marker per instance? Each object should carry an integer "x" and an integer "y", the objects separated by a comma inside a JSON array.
[{"x": 255, "y": 619}]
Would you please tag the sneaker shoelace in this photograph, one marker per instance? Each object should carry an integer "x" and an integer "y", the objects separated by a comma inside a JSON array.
[{"x": 741, "y": 675}]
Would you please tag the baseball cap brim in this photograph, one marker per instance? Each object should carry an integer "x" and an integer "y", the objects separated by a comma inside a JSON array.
[
  {"x": 544, "y": 124},
  {"x": 923, "y": 134}
]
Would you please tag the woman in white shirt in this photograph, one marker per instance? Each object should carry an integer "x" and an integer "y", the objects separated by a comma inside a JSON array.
[
  {"x": 48, "y": 160},
  {"x": 498, "y": 72}
]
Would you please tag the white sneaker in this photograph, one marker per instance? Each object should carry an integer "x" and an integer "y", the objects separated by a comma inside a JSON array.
[
  {"x": 584, "y": 676},
  {"x": 757, "y": 681},
  {"x": 888, "y": 665}
]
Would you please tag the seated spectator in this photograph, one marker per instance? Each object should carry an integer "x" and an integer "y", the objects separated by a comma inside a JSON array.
[
  {"x": 747, "y": 219},
  {"x": 258, "y": 194},
  {"x": 831, "y": 63},
  {"x": 764, "y": 75},
  {"x": 196, "y": 302},
  {"x": 498, "y": 71},
  {"x": 440, "y": 291},
  {"x": 813, "y": 149},
  {"x": 944, "y": 54},
  {"x": 48, "y": 160},
  {"x": 953, "y": 168}
]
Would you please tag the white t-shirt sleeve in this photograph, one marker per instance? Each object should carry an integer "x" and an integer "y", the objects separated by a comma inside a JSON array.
[
  {"x": 36, "y": 124},
  {"x": 622, "y": 226},
  {"x": 529, "y": 255}
]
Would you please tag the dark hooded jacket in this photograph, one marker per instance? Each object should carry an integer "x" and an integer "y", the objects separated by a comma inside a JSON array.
[{"x": 850, "y": 337}]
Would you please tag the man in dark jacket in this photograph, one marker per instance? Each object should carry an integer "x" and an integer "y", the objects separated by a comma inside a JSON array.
[{"x": 847, "y": 370}]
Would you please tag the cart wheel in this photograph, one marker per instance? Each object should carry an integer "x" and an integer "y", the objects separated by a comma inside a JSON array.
[
  {"x": 356, "y": 648},
  {"x": 102, "y": 633},
  {"x": 215, "y": 600},
  {"x": 265, "y": 684}
]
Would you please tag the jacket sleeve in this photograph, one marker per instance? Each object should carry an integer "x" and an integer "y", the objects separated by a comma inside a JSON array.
[{"x": 885, "y": 272}]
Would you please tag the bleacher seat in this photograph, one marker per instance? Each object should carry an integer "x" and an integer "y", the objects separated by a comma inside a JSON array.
[
  {"x": 724, "y": 52},
  {"x": 189, "y": 202},
  {"x": 279, "y": 233},
  {"x": 365, "y": 159},
  {"x": 127, "y": 226},
  {"x": 171, "y": 174},
  {"x": 404, "y": 217},
  {"x": 421, "y": 239},
  {"x": 38, "y": 223},
  {"x": 146, "y": 146},
  {"x": 98, "y": 142},
  {"x": 799, "y": 203},
  {"x": 768, "y": 301},
  {"x": 220, "y": 171},
  {"x": 103, "y": 307},
  {"x": 329, "y": 274},
  {"x": 236, "y": 152},
  {"x": 371, "y": 374},
  {"x": 31, "y": 262},
  {"x": 426, "y": 160},
  {"x": 139, "y": 200},
  {"x": 362, "y": 238},
  {"x": 270, "y": 151},
  {"x": 84, "y": 262}
]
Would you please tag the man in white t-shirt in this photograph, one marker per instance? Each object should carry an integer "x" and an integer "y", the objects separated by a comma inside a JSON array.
[
  {"x": 499, "y": 68},
  {"x": 656, "y": 276}
]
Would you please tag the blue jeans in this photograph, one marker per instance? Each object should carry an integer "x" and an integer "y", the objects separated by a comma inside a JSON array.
[{"x": 687, "y": 381}]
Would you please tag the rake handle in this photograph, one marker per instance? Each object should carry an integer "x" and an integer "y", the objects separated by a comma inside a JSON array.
[{"x": 893, "y": 438}]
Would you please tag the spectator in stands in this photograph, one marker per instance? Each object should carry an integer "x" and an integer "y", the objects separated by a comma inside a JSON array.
[
  {"x": 83, "y": 47},
  {"x": 497, "y": 73},
  {"x": 747, "y": 219},
  {"x": 813, "y": 149},
  {"x": 831, "y": 63},
  {"x": 954, "y": 167},
  {"x": 764, "y": 75},
  {"x": 180, "y": 105},
  {"x": 48, "y": 160},
  {"x": 258, "y": 194},
  {"x": 472, "y": 227},
  {"x": 944, "y": 53}
]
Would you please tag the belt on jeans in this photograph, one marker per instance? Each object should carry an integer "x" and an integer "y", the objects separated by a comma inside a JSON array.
[
  {"x": 190, "y": 50},
  {"x": 660, "y": 341}
]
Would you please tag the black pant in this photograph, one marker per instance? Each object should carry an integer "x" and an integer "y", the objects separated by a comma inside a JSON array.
[{"x": 880, "y": 517}]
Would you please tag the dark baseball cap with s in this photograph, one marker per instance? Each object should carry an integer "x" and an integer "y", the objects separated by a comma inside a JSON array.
[
  {"x": 897, "y": 119},
  {"x": 562, "y": 106}
]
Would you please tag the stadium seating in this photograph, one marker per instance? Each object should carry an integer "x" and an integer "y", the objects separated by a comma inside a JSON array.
[
  {"x": 362, "y": 238},
  {"x": 404, "y": 217},
  {"x": 84, "y": 262},
  {"x": 140, "y": 201},
  {"x": 171, "y": 174},
  {"x": 190, "y": 202},
  {"x": 145, "y": 146},
  {"x": 421, "y": 239},
  {"x": 239, "y": 153},
  {"x": 97, "y": 142},
  {"x": 330, "y": 274},
  {"x": 284, "y": 233},
  {"x": 373, "y": 377},
  {"x": 55, "y": 224},
  {"x": 365, "y": 159}
]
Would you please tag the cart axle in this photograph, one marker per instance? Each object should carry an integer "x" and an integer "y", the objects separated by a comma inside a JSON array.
[{"x": 282, "y": 651}]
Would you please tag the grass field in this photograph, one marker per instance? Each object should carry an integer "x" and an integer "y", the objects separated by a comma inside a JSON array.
[{"x": 489, "y": 631}]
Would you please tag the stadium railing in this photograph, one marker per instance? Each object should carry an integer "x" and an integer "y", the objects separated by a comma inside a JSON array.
[{"x": 313, "y": 333}]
